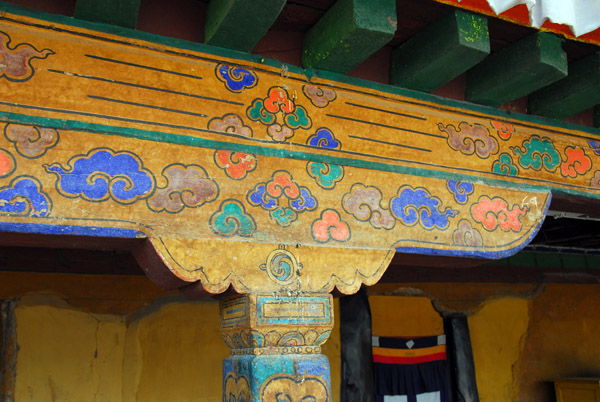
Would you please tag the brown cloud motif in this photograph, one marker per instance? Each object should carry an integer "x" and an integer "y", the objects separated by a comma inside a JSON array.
[
  {"x": 364, "y": 203},
  {"x": 467, "y": 235},
  {"x": 231, "y": 124},
  {"x": 187, "y": 186},
  {"x": 31, "y": 142},
  {"x": 320, "y": 97},
  {"x": 470, "y": 139}
]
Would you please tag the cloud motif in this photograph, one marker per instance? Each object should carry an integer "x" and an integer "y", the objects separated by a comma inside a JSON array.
[
  {"x": 103, "y": 174},
  {"x": 30, "y": 141},
  {"x": 320, "y": 97},
  {"x": 492, "y": 213},
  {"x": 323, "y": 138},
  {"x": 230, "y": 123},
  {"x": 15, "y": 63},
  {"x": 504, "y": 165},
  {"x": 236, "y": 79},
  {"x": 595, "y": 182},
  {"x": 461, "y": 190},
  {"x": 417, "y": 205},
  {"x": 24, "y": 196},
  {"x": 470, "y": 139},
  {"x": 326, "y": 175},
  {"x": 466, "y": 235},
  {"x": 330, "y": 227},
  {"x": 236, "y": 164},
  {"x": 504, "y": 130},
  {"x": 595, "y": 145},
  {"x": 364, "y": 203},
  {"x": 282, "y": 197},
  {"x": 231, "y": 219},
  {"x": 537, "y": 153},
  {"x": 7, "y": 163},
  {"x": 187, "y": 186},
  {"x": 577, "y": 163}
]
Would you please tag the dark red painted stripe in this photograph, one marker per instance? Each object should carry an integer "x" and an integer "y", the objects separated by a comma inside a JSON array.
[{"x": 409, "y": 360}]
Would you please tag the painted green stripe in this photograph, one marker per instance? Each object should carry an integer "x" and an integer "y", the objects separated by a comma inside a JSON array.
[
  {"x": 534, "y": 62},
  {"x": 364, "y": 86},
  {"x": 122, "y": 13},
  {"x": 574, "y": 94},
  {"x": 239, "y": 24},
  {"x": 157, "y": 136},
  {"x": 348, "y": 33},
  {"x": 441, "y": 52}
]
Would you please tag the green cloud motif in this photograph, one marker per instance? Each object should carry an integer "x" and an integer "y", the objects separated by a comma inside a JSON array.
[
  {"x": 257, "y": 112},
  {"x": 231, "y": 219},
  {"x": 505, "y": 166},
  {"x": 298, "y": 119}
]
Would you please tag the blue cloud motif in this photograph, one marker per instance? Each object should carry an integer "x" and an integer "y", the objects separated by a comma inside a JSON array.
[
  {"x": 236, "y": 79},
  {"x": 323, "y": 138},
  {"x": 461, "y": 190},
  {"x": 259, "y": 197},
  {"x": 24, "y": 197},
  {"x": 595, "y": 146},
  {"x": 306, "y": 201},
  {"x": 413, "y": 206},
  {"x": 104, "y": 174}
]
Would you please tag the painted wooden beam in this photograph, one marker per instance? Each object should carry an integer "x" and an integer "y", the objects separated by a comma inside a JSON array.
[
  {"x": 569, "y": 96},
  {"x": 123, "y": 13},
  {"x": 350, "y": 32},
  {"x": 239, "y": 24},
  {"x": 444, "y": 50},
  {"x": 517, "y": 70}
]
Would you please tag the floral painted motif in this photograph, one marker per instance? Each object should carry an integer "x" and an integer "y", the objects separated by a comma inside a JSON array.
[
  {"x": 187, "y": 186},
  {"x": 104, "y": 174},
  {"x": 231, "y": 219},
  {"x": 330, "y": 227},
  {"x": 7, "y": 163},
  {"x": 417, "y": 206},
  {"x": 460, "y": 190},
  {"x": 280, "y": 114},
  {"x": 24, "y": 196},
  {"x": 325, "y": 174},
  {"x": 30, "y": 141},
  {"x": 504, "y": 130},
  {"x": 364, "y": 203},
  {"x": 237, "y": 388},
  {"x": 470, "y": 139},
  {"x": 492, "y": 213},
  {"x": 15, "y": 64},
  {"x": 576, "y": 164},
  {"x": 320, "y": 97},
  {"x": 504, "y": 165},
  {"x": 236, "y": 164},
  {"x": 537, "y": 153},
  {"x": 283, "y": 198},
  {"x": 288, "y": 388},
  {"x": 466, "y": 235},
  {"x": 236, "y": 79}
]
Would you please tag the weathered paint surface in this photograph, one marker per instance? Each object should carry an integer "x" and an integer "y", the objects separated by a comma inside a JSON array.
[{"x": 197, "y": 151}]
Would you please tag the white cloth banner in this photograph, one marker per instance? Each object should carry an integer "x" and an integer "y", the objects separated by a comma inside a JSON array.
[{"x": 582, "y": 16}]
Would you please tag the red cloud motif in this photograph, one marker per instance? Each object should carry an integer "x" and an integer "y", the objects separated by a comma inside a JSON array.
[
  {"x": 494, "y": 212},
  {"x": 504, "y": 130},
  {"x": 330, "y": 226},
  {"x": 577, "y": 162},
  {"x": 278, "y": 100}
]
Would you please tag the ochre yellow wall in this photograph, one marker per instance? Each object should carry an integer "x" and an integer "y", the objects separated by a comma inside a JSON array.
[
  {"x": 169, "y": 351},
  {"x": 497, "y": 335},
  {"x": 404, "y": 316}
]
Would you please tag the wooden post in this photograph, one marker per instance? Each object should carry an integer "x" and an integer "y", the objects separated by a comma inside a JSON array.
[{"x": 275, "y": 342}]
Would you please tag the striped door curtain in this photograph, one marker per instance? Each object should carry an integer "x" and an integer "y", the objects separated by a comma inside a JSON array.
[{"x": 411, "y": 369}]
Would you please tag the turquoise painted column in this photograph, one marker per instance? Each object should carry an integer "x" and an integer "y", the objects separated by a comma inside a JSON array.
[{"x": 275, "y": 342}]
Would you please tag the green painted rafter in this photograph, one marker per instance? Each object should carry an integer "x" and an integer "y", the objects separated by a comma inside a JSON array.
[
  {"x": 574, "y": 94},
  {"x": 239, "y": 24},
  {"x": 441, "y": 52},
  {"x": 122, "y": 13},
  {"x": 534, "y": 62},
  {"x": 350, "y": 32}
]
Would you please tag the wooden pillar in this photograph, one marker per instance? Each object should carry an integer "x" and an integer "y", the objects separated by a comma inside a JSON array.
[{"x": 275, "y": 341}]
